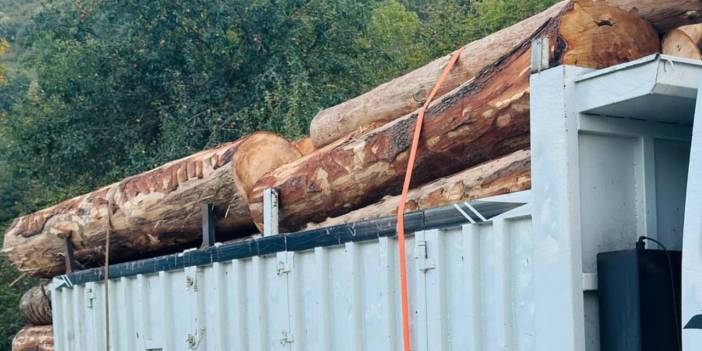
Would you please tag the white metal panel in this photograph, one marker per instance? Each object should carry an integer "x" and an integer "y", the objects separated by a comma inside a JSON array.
[
  {"x": 471, "y": 288},
  {"x": 692, "y": 244}
]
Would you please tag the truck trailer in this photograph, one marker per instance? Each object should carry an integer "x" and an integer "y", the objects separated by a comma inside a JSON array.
[{"x": 604, "y": 252}]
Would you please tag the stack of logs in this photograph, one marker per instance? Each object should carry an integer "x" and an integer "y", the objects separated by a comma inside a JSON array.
[
  {"x": 35, "y": 308},
  {"x": 475, "y": 143}
]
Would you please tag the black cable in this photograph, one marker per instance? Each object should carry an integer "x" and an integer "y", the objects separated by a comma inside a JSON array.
[{"x": 678, "y": 329}]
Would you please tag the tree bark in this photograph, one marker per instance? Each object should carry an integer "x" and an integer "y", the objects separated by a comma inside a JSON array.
[
  {"x": 407, "y": 93},
  {"x": 153, "y": 212},
  {"x": 665, "y": 15},
  {"x": 35, "y": 306},
  {"x": 507, "y": 174},
  {"x": 34, "y": 338},
  {"x": 684, "y": 42},
  {"x": 485, "y": 118}
]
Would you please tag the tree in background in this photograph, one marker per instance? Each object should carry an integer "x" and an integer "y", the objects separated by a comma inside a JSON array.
[{"x": 100, "y": 89}]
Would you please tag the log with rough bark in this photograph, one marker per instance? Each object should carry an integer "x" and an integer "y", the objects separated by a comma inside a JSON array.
[
  {"x": 153, "y": 212},
  {"x": 407, "y": 93},
  {"x": 684, "y": 42},
  {"x": 483, "y": 119},
  {"x": 35, "y": 305},
  {"x": 665, "y": 15},
  {"x": 34, "y": 338},
  {"x": 504, "y": 175}
]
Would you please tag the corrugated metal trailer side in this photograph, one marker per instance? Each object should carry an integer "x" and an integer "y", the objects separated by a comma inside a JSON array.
[{"x": 471, "y": 289}]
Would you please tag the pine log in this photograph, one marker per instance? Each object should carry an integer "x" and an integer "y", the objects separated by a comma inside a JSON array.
[
  {"x": 34, "y": 338},
  {"x": 665, "y": 15},
  {"x": 305, "y": 146},
  {"x": 35, "y": 306},
  {"x": 407, "y": 93},
  {"x": 507, "y": 174},
  {"x": 153, "y": 212},
  {"x": 483, "y": 119},
  {"x": 684, "y": 42}
]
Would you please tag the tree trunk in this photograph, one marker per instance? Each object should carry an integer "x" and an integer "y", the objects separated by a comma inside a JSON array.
[
  {"x": 153, "y": 212},
  {"x": 305, "y": 146},
  {"x": 508, "y": 174},
  {"x": 35, "y": 305},
  {"x": 665, "y": 15},
  {"x": 407, "y": 93},
  {"x": 483, "y": 119},
  {"x": 34, "y": 338},
  {"x": 684, "y": 42}
]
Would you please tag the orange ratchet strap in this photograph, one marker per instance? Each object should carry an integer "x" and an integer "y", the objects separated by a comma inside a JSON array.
[{"x": 401, "y": 208}]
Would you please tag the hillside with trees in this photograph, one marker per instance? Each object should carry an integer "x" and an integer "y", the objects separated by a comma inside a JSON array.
[{"x": 93, "y": 91}]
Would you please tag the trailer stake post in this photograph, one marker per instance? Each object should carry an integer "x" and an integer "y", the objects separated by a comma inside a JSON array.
[
  {"x": 270, "y": 212},
  {"x": 71, "y": 264},
  {"x": 208, "y": 226}
]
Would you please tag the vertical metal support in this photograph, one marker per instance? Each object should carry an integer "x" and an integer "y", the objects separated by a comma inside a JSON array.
[
  {"x": 71, "y": 264},
  {"x": 540, "y": 54},
  {"x": 270, "y": 212},
  {"x": 208, "y": 226}
]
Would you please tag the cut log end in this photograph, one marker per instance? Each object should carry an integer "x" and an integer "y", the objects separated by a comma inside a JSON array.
[
  {"x": 34, "y": 338},
  {"x": 35, "y": 306},
  {"x": 684, "y": 42}
]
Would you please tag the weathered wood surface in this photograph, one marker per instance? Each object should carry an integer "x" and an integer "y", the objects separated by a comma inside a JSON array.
[
  {"x": 483, "y": 119},
  {"x": 665, "y": 15},
  {"x": 35, "y": 305},
  {"x": 407, "y": 93},
  {"x": 153, "y": 212},
  {"x": 305, "y": 146},
  {"x": 504, "y": 175},
  {"x": 684, "y": 42},
  {"x": 34, "y": 338}
]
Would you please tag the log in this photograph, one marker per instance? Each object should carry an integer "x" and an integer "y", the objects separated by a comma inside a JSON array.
[
  {"x": 684, "y": 42},
  {"x": 305, "y": 146},
  {"x": 152, "y": 213},
  {"x": 407, "y": 93},
  {"x": 35, "y": 305},
  {"x": 665, "y": 15},
  {"x": 507, "y": 174},
  {"x": 34, "y": 338},
  {"x": 483, "y": 119}
]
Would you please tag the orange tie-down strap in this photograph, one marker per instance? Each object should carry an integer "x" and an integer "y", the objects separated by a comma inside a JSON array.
[{"x": 403, "y": 198}]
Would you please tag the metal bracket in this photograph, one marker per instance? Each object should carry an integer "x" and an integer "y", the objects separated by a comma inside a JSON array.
[
  {"x": 270, "y": 212},
  {"x": 61, "y": 281},
  {"x": 208, "y": 226},
  {"x": 286, "y": 338},
  {"x": 71, "y": 264},
  {"x": 284, "y": 263},
  {"x": 540, "y": 54}
]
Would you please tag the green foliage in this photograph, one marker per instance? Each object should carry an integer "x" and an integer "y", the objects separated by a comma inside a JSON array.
[{"x": 96, "y": 90}]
